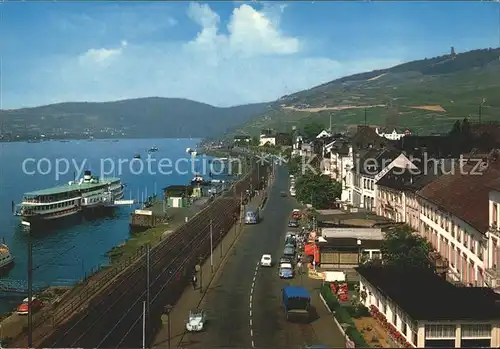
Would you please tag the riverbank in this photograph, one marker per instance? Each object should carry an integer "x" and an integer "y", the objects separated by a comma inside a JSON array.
[
  {"x": 153, "y": 236},
  {"x": 12, "y": 324}
]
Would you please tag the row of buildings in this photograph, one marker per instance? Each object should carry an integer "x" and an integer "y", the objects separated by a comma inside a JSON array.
[
  {"x": 448, "y": 190},
  {"x": 450, "y": 197}
]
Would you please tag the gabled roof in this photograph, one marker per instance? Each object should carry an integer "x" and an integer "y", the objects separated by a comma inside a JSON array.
[
  {"x": 372, "y": 161},
  {"x": 464, "y": 193},
  {"x": 324, "y": 133},
  {"x": 415, "y": 179}
]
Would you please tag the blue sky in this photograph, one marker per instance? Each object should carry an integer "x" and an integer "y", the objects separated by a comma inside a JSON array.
[{"x": 222, "y": 53}]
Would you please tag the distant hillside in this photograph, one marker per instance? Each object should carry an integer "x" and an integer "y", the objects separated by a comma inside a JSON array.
[
  {"x": 427, "y": 95},
  {"x": 144, "y": 117}
]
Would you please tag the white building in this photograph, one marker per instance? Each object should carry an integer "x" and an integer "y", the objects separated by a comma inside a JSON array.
[
  {"x": 393, "y": 136},
  {"x": 366, "y": 170},
  {"x": 421, "y": 309},
  {"x": 266, "y": 139}
]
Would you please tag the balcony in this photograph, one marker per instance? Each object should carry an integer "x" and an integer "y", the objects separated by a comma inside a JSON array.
[
  {"x": 494, "y": 229},
  {"x": 439, "y": 262},
  {"x": 492, "y": 277}
]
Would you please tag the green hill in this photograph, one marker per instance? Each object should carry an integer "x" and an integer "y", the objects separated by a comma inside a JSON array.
[
  {"x": 138, "y": 118},
  {"x": 425, "y": 96}
]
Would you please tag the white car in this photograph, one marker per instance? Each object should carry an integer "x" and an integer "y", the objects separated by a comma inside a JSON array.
[
  {"x": 266, "y": 260},
  {"x": 196, "y": 321}
]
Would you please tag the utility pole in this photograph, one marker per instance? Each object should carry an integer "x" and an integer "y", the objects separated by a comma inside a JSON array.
[
  {"x": 30, "y": 292},
  {"x": 201, "y": 273},
  {"x": 221, "y": 251},
  {"x": 211, "y": 248},
  {"x": 330, "y": 129},
  {"x": 144, "y": 325},
  {"x": 365, "y": 116},
  {"x": 148, "y": 266}
]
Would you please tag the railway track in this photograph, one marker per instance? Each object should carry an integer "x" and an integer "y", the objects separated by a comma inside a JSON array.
[
  {"x": 113, "y": 318},
  {"x": 108, "y": 311}
]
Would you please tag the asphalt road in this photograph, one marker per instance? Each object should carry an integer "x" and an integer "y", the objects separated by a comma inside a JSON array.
[{"x": 244, "y": 304}]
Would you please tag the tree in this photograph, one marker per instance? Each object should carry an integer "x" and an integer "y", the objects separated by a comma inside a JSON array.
[
  {"x": 318, "y": 190},
  {"x": 456, "y": 129},
  {"x": 312, "y": 129},
  {"x": 404, "y": 249},
  {"x": 294, "y": 165},
  {"x": 255, "y": 141}
]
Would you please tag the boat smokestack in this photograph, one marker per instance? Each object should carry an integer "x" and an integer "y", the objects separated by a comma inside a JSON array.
[{"x": 87, "y": 176}]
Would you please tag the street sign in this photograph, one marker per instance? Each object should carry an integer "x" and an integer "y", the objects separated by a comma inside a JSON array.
[{"x": 164, "y": 319}]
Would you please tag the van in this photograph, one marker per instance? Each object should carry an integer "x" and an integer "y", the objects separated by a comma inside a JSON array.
[{"x": 252, "y": 216}]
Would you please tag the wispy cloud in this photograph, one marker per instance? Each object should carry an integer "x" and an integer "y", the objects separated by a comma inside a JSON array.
[{"x": 222, "y": 53}]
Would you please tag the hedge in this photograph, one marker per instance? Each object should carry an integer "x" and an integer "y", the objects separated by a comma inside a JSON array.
[{"x": 342, "y": 315}]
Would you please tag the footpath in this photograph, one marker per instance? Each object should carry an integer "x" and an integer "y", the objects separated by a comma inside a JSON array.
[{"x": 192, "y": 298}]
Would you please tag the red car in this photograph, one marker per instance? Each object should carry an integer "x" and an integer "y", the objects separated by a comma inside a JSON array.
[{"x": 22, "y": 309}]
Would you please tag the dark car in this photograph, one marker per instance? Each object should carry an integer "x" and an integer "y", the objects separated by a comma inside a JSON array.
[
  {"x": 283, "y": 194},
  {"x": 285, "y": 260},
  {"x": 293, "y": 223}
]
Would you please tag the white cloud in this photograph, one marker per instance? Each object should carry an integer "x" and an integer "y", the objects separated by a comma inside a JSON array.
[{"x": 250, "y": 59}]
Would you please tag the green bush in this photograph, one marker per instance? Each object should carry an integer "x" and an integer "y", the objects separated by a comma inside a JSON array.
[
  {"x": 344, "y": 315},
  {"x": 356, "y": 337},
  {"x": 329, "y": 298}
]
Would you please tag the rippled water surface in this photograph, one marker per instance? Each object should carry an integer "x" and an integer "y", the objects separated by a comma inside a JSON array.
[{"x": 66, "y": 254}]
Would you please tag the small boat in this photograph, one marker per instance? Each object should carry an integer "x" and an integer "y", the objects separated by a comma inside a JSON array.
[
  {"x": 153, "y": 149},
  {"x": 137, "y": 156},
  {"x": 198, "y": 180},
  {"x": 6, "y": 259}
]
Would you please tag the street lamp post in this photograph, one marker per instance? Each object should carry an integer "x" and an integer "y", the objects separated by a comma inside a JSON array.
[
  {"x": 201, "y": 273},
  {"x": 166, "y": 311},
  {"x": 30, "y": 292}
]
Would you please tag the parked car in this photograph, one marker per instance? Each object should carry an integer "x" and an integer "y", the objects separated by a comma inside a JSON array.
[
  {"x": 285, "y": 260},
  {"x": 283, "y": 194},
  {"x": 196, "y": 321},
  {"x": 293, "y": 223},
  {"x": 23, "y": 308},
  {"x": 266, "y": 260},
  {"x": 286, "y": 271}
]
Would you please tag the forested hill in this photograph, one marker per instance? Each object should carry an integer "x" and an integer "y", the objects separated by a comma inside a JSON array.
[{"x": 143, "y": 117}]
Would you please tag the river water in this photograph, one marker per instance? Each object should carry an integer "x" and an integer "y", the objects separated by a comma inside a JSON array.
[{"x": 64, "y": 255}]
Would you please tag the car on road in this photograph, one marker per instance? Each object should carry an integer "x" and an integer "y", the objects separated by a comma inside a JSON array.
[
  {"x": 289, "y": 251},
  {"x": 285, "y": 260},
  {"x": 266, "y": 260},
  {"x": 23, "y": 308},
  {"x": 196, "y": 321},
  {"x": 293, "y": 223},
  {"x": 286, "y": 271},
  {"x": 283, "y": 194}
]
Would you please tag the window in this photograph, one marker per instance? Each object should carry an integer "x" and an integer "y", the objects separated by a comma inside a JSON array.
[
  {"x": 476, "y": 331},
  {"x": 440, "y": 331},
  {"x": 494, "y": 214},
  {"x": 403, "y": 328}
]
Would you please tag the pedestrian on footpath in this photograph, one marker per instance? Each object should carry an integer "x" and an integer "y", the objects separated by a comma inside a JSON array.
[{"x": 195, "y": 280}]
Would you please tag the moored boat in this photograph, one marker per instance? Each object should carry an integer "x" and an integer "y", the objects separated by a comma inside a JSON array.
[
  {"x": 69, "y": 199},
  {"x": 6, "y": 258}
]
